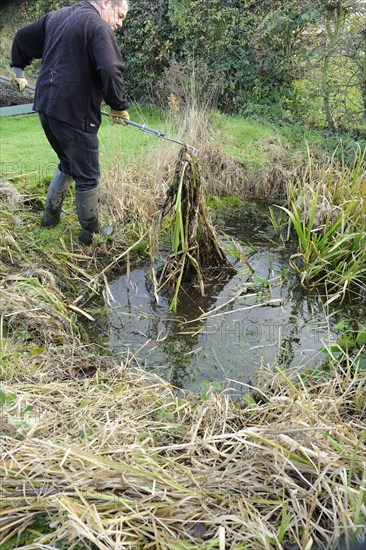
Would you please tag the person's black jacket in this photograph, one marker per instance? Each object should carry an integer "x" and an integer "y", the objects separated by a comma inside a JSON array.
[{"x": 81, "y": 65}]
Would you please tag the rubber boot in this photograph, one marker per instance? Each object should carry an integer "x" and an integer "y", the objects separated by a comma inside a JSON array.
[
  {"x": 87, "y": 210},
  {"x": 56, "y": 194}
]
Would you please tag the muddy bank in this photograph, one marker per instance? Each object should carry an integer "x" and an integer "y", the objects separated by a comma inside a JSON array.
[{"x": 9, "y": 97}]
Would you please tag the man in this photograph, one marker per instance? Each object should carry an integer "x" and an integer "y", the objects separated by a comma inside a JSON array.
[{"x": 81, "y": 66}]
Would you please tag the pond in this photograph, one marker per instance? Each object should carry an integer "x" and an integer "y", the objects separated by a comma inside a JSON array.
[{"x": 244, "y": 321}]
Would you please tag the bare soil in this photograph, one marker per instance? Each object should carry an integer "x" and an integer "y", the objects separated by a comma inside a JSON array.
[{"x": 10, "y": 97}]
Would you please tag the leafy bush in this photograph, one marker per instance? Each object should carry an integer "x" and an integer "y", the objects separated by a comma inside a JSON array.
[{"x": 148, "y": 44}]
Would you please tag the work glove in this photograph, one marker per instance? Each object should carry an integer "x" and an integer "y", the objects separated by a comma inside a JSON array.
[
  {"x": 19, "y": 81},
  {"x": 116, "y": 117}
]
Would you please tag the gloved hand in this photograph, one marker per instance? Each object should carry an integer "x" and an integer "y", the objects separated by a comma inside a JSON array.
[
  {"x": 116, "y": 117},
  {"x": 20, "y": 82}
]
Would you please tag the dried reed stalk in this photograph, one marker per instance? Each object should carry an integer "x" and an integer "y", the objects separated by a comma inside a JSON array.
[
  {"x": 121, "y": 462},
  {"x": 196, "y": 251}
]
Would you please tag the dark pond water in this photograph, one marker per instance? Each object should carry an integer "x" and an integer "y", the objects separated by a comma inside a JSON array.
[{"x": 267, "y": 319}]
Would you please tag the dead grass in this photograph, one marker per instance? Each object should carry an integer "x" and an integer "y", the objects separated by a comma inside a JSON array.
[
  {"x": 136, "y": 193},
  {"x": 121, "y": 462}
]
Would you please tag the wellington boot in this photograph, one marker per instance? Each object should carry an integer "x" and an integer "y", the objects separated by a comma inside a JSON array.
[
  {"x": 87, "y": 209},
  {"x": 56, "y": 194}
]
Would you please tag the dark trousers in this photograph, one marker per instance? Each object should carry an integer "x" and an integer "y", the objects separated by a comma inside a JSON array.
[{"x": 77, "y": 150}]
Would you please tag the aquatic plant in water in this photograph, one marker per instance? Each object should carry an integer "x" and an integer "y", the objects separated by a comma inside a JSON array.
[{"x": 327, "y": 210}]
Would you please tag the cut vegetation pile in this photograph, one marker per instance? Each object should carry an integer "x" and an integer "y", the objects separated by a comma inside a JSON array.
[
  {"x": 196, "y": 254},
  {"x": 9, "y": 96}
]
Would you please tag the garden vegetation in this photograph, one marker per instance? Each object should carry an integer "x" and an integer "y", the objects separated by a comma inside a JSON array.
[{"x": 98, "y": 453}]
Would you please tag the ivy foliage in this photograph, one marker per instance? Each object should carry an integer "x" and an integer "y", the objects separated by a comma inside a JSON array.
[
  {"x": 249, "y": 44},
  {"x": 148, "y": 44}
]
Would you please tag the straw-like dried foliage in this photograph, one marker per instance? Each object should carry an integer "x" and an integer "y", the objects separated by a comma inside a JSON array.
[
  {"x": 120, "y": 462},
  {"x": 196, "y": 253}
]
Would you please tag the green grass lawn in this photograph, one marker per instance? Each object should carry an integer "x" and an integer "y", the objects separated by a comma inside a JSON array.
[
  {"x": 243, "y": 138},
  {"x": 26, "y": 154}
]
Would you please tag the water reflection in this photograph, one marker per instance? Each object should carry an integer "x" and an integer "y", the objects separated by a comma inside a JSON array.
[{"x": 266, "y": 318}]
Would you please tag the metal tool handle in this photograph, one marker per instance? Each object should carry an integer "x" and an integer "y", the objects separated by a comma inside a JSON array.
[
  {"x": 141, "y": 127},
  {"x": 157, "y": 133}
]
